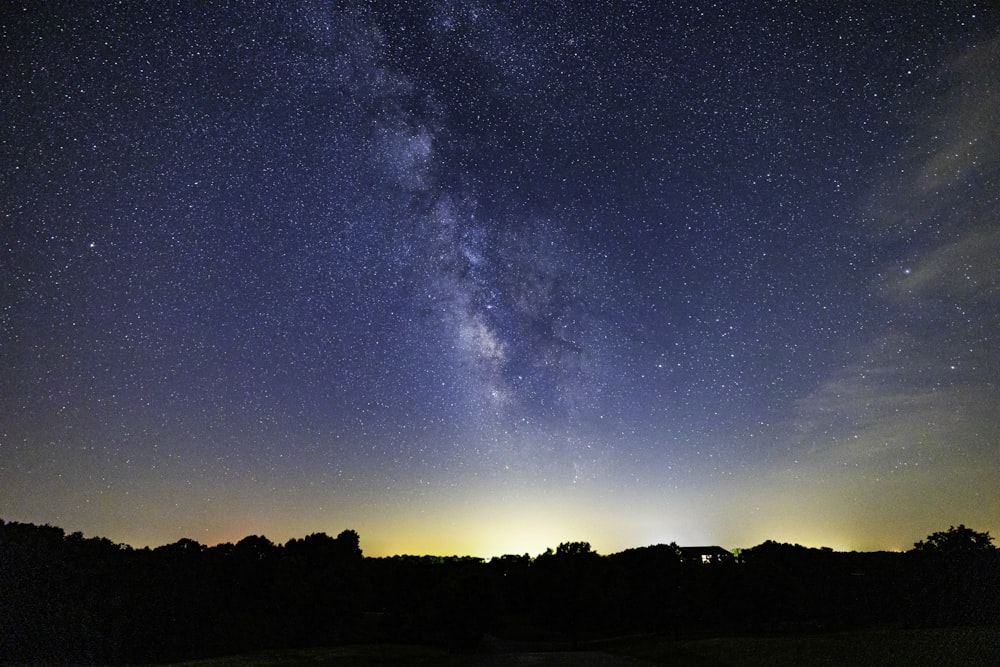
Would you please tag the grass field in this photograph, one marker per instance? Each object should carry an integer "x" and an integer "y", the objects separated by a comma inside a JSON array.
[
  {"x": 366, "y": 654},
  {"x": 889, "y": 647},
  {"x": 951, "y": 646}
]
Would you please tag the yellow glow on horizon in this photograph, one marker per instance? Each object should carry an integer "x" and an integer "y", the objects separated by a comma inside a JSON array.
[
  {"x": 806, "y": 505},
  {"x": 480, "y": 527},
  {"x": 487, "y": 523}
]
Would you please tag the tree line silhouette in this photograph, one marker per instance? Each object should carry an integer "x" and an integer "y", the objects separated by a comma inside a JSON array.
[{"x": 69, "y": 599}]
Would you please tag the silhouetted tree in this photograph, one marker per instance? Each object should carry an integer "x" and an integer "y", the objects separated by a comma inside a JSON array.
[
  {"x": 69, "y": 599},
  {"x": 349, "y": 545},
  {"x": 955, "y": 579},
  {"x": 570, "y": 589},
  {"x": 574, "y": 549},
  {"x": 959, "y": 540}
]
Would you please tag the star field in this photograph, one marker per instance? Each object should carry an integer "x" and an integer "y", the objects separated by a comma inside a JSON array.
[{"x": 476, "y": 278}]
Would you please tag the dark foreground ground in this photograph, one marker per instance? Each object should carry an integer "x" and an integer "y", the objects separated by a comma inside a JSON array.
[
  {"x": 66, "y": 599},
  {"x": 888, "y": 647}
]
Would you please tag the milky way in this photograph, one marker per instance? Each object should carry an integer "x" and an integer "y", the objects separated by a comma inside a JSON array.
[{"x": 477, "y": 278}]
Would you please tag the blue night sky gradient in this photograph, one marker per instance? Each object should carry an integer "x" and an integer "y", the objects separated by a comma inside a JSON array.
[{"x": 474, "y": 277}]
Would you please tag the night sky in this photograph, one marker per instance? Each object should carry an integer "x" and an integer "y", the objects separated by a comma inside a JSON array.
[{"x": 480, "y": 278}]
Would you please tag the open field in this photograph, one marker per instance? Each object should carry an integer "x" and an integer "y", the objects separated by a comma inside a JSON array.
[
  {"x": 950, "y": 646},
  {"x": 888, "y": 647},
  {"x": 365, "y": 654}
]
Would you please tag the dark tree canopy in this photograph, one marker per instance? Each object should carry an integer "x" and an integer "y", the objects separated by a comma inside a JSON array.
[
  {"x": 574, "y": 549},
  {"x": 66, "y": 599},
  {"x": 350, "y": 543},
  {"x": 955, "y": 541}
]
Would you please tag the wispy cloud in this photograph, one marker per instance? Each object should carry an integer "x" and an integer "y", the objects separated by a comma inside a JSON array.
[
  {"x": 929, "y": 381},
  {"x": 962, "y": 273}
]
